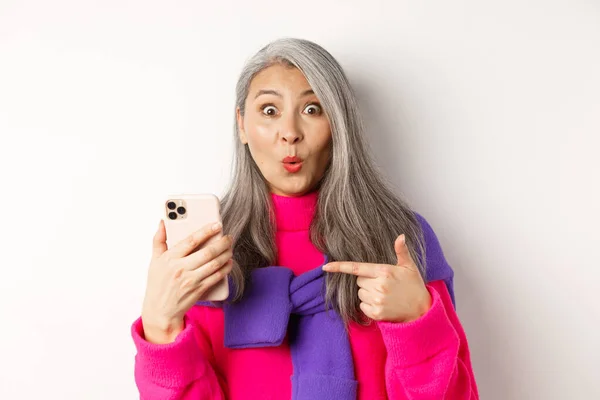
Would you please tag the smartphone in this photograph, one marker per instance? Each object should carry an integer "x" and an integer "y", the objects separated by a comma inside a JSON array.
[{"x": 186, "y": 213}]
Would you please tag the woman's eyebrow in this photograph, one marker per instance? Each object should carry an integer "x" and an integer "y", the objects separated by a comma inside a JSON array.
[{"x": 276, "y": 93}]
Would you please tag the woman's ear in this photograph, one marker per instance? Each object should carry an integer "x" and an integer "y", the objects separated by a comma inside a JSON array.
[{"x": 240, "y": 123}]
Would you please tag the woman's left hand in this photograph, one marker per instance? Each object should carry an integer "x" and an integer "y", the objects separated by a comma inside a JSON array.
[{"x": 393, "y": 293}]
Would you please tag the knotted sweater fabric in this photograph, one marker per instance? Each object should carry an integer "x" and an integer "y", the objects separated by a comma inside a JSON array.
[{"x": 277, "y": 300}]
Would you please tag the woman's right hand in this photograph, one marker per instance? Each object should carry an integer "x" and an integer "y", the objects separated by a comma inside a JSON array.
[{"x": 178, "y": 277}]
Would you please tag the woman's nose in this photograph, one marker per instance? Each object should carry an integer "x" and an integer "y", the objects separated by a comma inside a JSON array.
[
  {"x": 291, "y": 137},
  {"x": 290, "y": 132}
]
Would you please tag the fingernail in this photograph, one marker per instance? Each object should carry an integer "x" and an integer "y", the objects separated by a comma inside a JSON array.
[
  {"x": 403, "y": 238},
  {"x": 217, "y": 226}
]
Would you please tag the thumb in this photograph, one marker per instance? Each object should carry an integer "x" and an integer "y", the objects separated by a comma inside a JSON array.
[
  {"x": 159, "y": 242},
  {"x": 402, "y": 251}
]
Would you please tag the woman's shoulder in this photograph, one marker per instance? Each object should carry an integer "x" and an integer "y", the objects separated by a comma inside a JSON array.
[
  {"x": 437, "y": 265},
  {"x": 425, "y": 225},
  {"x": 432, "y": 243}
]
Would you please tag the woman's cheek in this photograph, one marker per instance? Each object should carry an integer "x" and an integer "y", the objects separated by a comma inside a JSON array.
[{"x": 264, "y": 130}]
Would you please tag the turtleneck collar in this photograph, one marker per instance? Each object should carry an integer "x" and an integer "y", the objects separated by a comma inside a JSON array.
[{"x": 294, "y": 213}]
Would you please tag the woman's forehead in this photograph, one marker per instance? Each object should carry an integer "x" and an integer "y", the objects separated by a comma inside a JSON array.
[{"x": 280, "y": 79}]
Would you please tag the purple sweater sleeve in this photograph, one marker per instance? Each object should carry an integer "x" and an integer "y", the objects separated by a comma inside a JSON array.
[{"x": 176, "y": 371}]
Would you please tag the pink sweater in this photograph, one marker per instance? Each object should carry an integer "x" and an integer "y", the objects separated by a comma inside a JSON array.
[{"x": 424, "y": 359}]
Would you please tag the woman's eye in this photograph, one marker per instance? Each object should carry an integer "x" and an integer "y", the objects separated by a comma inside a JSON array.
[
  {"x": 313, "y": 109},
  {"x": 269, "y": 110}
]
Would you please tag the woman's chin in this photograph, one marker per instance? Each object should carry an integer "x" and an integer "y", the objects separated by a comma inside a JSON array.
[{"x": 292, "y": 188}]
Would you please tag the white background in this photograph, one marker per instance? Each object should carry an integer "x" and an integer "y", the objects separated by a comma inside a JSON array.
[{"x": 484, "y": 114}]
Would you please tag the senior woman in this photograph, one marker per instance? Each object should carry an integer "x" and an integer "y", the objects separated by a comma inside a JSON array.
[{"x": 339, "y": 290}]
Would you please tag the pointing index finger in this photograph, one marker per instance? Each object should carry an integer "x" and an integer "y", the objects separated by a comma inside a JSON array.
[{"x": 352, "y": 268}]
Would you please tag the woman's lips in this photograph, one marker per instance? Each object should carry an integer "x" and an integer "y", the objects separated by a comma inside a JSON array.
[
  {"x": 292, "y": 164},
  {"x": 292, "y": 167}
]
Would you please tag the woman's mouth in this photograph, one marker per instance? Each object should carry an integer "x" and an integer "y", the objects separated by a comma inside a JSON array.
[
  {"x": 292, "y": 164},
  {"x": 292, "y": 167}
]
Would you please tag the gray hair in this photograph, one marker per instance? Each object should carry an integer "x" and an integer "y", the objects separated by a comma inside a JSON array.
[{"x": 358, "y": 216}]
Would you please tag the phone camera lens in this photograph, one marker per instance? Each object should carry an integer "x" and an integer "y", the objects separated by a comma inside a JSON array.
[
  {"x": 172, "y": 215},
  {"x": 181, "y": 210},
  {"x": 171, "y": 205}
]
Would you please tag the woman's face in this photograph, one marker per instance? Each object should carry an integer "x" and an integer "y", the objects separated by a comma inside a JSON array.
[{"x": 284, "y": 118}]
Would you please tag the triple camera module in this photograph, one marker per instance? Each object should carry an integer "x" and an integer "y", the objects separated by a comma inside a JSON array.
[{"x": 175, "y": 212}]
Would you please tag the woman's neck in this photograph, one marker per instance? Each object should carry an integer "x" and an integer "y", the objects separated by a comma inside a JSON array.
[{"x": 294, "y": 213}]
